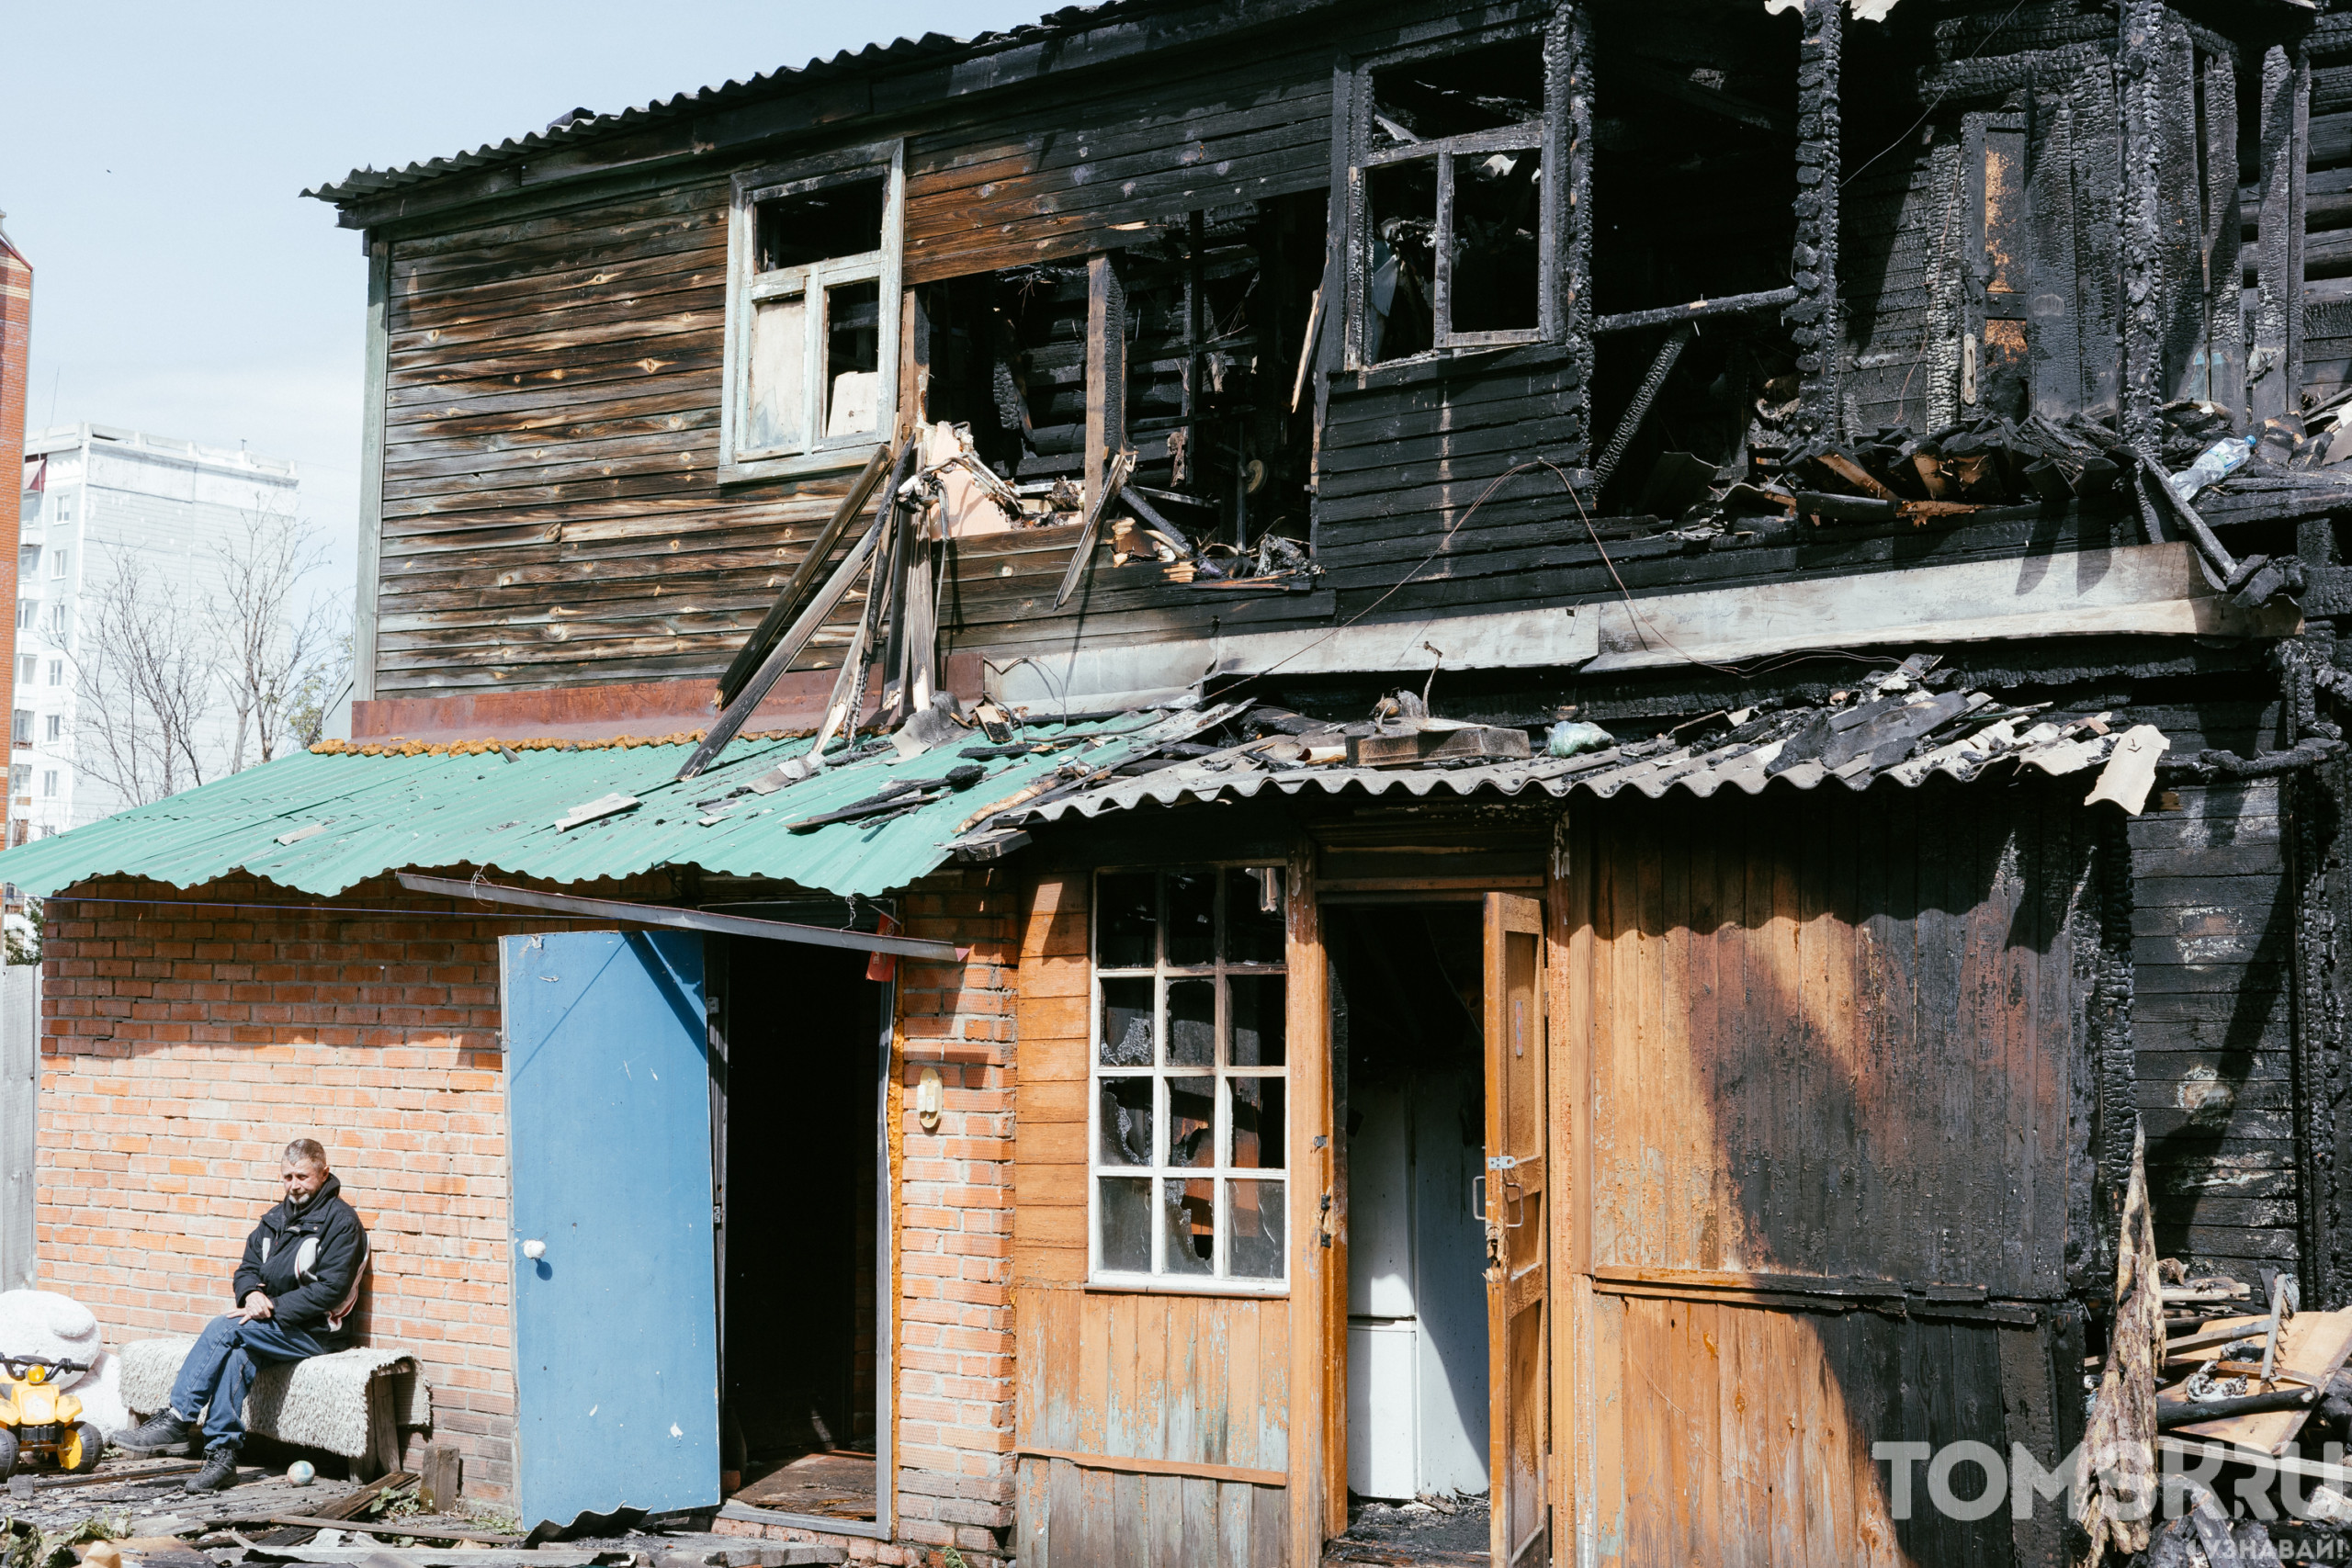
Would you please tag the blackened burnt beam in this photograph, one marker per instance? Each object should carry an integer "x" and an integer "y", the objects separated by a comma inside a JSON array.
[
  {"x": 1639, "y": 409},
  {"x": 755, "y": 646},
  {"x": 1698, "y": 309},
  {"x": 1813, "y": 318}
]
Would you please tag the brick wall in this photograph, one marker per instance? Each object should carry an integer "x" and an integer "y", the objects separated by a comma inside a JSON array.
[{"x": 186, "y": 1040}]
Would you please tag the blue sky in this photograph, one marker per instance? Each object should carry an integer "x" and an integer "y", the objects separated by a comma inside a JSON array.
[{"x": 154, "y": 154}]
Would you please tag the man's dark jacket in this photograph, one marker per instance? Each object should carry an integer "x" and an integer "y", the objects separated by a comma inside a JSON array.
[{"x": 307, "y": 1261}]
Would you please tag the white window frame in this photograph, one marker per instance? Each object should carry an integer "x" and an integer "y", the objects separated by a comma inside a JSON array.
[
  {"x": 815, "y": 452},
  {"x": 56, "y": 622},
  {"x": 57, "y": 558},
  {"x": 1220, "y": 1173}
]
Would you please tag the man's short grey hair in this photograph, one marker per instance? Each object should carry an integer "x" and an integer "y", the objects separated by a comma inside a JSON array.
[{"x": 306, "y": 1150}]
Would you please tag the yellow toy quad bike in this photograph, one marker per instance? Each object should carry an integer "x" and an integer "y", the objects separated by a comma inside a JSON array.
[{"x": 41, "y": 1424}]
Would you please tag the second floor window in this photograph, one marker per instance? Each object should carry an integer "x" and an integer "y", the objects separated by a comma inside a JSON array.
[
  {"x": 812, "y": 314},
  {"x": 55, "y": 621},
  {"x": 1457, "y": 219}
]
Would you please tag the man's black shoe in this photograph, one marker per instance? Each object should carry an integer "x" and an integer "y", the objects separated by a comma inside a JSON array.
[
  {"x": 220, "y": 1471},
  {"x": 155, "y": 1434}
]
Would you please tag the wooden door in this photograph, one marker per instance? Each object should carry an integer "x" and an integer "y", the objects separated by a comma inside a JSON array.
[
  {"x": 1517, "y": 1332},
  {"x": 616, "y": 1327}
]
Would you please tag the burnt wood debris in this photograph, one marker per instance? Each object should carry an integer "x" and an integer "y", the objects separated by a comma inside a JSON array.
[{"x": 1730, "y": 608}]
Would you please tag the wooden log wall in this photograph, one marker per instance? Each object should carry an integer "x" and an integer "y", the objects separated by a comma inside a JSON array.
[
  {"x": 553, "y": 514},
  {"x": 2327, "y": 219},
  {"x": 2214, "y": 923},
  {"x": 1149, "y": 1385}
]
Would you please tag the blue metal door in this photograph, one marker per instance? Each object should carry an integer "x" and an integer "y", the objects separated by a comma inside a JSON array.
[{"x": 608, "y": 1122}]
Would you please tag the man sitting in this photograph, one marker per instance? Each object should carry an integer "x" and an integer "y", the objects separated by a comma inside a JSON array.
[{"x": 297, "y": 1281}]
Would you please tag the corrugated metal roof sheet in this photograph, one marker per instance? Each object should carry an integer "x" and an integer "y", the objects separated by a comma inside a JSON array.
[
  {"x": 377, "y": 814},
  {"x": 1745, "y": 762},
  {"x": 930, "y": 48}
]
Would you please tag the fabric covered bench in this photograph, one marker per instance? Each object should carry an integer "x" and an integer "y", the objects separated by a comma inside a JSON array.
[{"x": 358, "y": 1403}]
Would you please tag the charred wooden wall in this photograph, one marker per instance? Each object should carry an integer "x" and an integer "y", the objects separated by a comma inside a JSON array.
[
  {"x": 2214, "y": 931},
  {"x": 2327, "y": 222},
  {"x": 1824, "y": 1041}
]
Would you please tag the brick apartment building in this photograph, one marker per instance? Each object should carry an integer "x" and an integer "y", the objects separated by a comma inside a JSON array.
[{"x": 1115, "y": 779}]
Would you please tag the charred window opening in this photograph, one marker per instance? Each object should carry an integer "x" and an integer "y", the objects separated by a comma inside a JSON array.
[
  {"x": 1458, "y": 228},
  {"x": 1195, "y": 367},
  {"x": 1694, "y": 177},
  {"x": 1995, "y": 367},
  {"x": 822, "y": 225},
  {"x": 812, "y": 314}
]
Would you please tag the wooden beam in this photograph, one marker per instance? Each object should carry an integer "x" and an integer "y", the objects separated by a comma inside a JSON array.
[
  {"x": 377, "y": 357},
  {"x": 1318, "y": 1269},
  {"x": 1128, "y": 1465},
  {"x": 1106, "y": 373},
  {"x": 755, "y": 648},
  {"x": 2153, "y": 589}
]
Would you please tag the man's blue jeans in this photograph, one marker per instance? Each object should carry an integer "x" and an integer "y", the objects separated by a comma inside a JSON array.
[{"x": 221, "y": 1368}]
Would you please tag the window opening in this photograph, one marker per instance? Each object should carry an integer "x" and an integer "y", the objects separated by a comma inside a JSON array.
[
  {"x": 27, "y": 667},
  {"x": 57, "y": 562},
  {"x": 1191, "y": 1076},
  {"x": 56, "y": 726},
  {"x": 1458, "y": 232},
  {"x": 21, "y": 728},
  {"x": 28, "y": 560},
  {"x": 48, "y": 782},
  {"x": 1694, "y": 181},
  {"x": 57, "y": 672},
  {"x": 813, "y": 316}
]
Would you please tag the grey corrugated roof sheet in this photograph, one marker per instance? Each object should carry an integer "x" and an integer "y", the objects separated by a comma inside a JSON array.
[
  {"x": 874, "y": 57},
  {"x": 2009, "y": 743}
]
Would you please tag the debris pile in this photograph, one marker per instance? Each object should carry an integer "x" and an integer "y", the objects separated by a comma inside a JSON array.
[{"x": 2200, "y": 1370}]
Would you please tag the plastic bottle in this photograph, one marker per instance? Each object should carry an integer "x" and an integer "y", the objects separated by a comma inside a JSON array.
[
  {"x": 1569, "y": 736},
  {"x": 2218, "y": 461}
]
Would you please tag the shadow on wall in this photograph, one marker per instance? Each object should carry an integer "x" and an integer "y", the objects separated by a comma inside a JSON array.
[{"x": 1835, "y": 1035}]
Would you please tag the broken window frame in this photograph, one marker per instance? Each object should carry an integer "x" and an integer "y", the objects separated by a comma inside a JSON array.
[
  {"x": 1546, "y": 136},
  {"x": 1221, "y": 1173},
  {"x": 812, "y": 452}
]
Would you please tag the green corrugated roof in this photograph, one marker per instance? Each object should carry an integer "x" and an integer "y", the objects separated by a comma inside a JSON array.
[{"x": 385, "y": 813}]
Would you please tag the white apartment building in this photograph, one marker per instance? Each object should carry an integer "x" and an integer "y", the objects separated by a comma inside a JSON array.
[{"x": 91, "y": 491}]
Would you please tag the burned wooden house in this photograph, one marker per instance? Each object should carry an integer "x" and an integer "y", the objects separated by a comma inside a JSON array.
[{"x": 1319, "y": 752}]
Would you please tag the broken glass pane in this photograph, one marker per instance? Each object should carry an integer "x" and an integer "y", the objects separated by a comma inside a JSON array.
[
  {"x": 852, "y": 358},
  {"x": 1126, "y": 922},
  {"x": 1191, "y": 1024},
  {"x": 1192, "y": 1113},
  {"x": 1125, "y": 1118},
  {"x": 1191, "y": 1213},
  {"x": 1126, "y": 1023},
  {"x": 1256, "y": 1004},
  {"x": 1192, "y": 919},
  {"x": 1126, "y": 1224},
  {"x": 1254, "y": 1236},
  {"x": 1496, "y": 217},
  {"x": 837, "y": 220},
  {"x": 1454, "y": 94},
  {"x": 1257, "y": 1124},
  {"x": 1253, "y": 933},
  {"x": 1398, "y": 300},
  {"x": 779, "y": 393}
]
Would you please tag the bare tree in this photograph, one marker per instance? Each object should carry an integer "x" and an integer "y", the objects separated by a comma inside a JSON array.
[
  {"x": 267, "y": 650},
  {"x": 142, "y": 684},
  {"x": 313, "y": 700}
]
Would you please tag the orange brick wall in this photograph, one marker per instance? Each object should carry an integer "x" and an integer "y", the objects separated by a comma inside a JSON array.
[{"x": 184, "y": 1043}]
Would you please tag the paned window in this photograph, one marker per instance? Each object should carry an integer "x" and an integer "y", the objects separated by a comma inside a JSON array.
[
  {"x": 1189, "y": 1135},
  {"x": 1457, "y": 211},
  {"x": 812, "y": 314},
  {"x": 57, "y": 672},
  {"x": 56, "y": 622},
  {"x": 57, "y": 560},
  {"x": 48, "y": 782},
  {"x": 55, "y": 729}
]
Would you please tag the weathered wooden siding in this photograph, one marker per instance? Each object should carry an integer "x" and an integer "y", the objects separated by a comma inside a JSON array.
[
  {"x": 2327, "y": 228},
  {"x": 551, "y": 510},
  {"x": 1121, "y": 1375},
  {"x": 2212, "y": 1020},
  {"x": 1819, "y": 1039},
  {"x": 1061, "y": 175}
]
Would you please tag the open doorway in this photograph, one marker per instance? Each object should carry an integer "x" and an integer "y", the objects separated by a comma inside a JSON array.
[
  {"x": 802, "y": 1368},
  {"x": 1407, "y": 1025}
]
